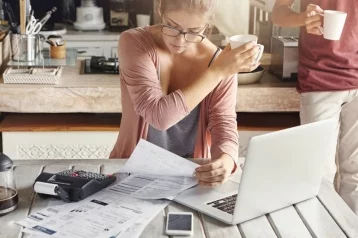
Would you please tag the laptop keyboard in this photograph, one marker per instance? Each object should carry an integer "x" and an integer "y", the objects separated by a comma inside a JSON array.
[{"x": 225, "y": 204}]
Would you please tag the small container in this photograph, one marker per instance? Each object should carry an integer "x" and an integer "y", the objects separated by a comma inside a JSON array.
[
  {"x": 58, "y": 52},
  {"x": 25, "y": 47},
  {"x": 250, "y": 77},
  {"x": 8, "y": 194}
]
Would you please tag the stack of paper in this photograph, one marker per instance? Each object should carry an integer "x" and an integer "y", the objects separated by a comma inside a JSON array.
[{"x": 117, "y": 210}]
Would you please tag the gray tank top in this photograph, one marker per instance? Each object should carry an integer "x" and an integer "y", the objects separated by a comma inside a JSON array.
[{"x": 180, "y": 138}]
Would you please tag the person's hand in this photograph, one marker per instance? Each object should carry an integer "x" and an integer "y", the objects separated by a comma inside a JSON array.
[
  {"x": 240, "y": 59},
  {"x": 313, "y": 20},
  {"x": 216, "y": 172}
]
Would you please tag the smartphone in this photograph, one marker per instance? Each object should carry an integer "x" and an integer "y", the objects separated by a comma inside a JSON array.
[{"x": 179, "y": 224}]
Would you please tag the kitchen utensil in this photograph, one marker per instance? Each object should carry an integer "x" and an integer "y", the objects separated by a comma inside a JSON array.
[
  {"x": 33, "y": 26},
  {"x": 250, "y": 77},
  {"x": 24, "y": 47},
  {"x": 55, "y": 40},
  {"x": 12, "y": 20},
  {"x": 22, "y": 16},
  {"x": 58, "y": 51},
  {"x": 47, "y": 16}
]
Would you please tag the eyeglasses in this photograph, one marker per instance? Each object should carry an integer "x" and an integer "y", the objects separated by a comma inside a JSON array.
[{"x": 174, "y": 32}]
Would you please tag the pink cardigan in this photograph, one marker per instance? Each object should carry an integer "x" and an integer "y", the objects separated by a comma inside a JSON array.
[{"x": 144, "y": 103}]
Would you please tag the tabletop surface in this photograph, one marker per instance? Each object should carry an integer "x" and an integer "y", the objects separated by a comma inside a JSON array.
[{"x": 323, "y": 216}]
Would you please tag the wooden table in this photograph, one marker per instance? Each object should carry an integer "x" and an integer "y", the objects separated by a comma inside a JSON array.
[{"x": 323, "y": 216}]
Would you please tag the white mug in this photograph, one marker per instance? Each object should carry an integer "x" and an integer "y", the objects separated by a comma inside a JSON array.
[
  {"x": 239, "y": 40},
  {"x": 333, "y": 24},
  {"x": 143, "y": 20}
]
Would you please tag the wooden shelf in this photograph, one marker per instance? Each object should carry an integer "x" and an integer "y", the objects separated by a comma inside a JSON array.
[
  {"x": 267, "y": 121},
  {"x": 16, "y": 122}
]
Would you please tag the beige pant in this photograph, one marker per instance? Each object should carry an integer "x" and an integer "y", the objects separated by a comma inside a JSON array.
[{"x": 342, "y": 105}]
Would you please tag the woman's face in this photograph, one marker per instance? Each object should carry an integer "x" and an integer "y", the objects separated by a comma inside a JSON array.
[{"x": 188, "y": 22}]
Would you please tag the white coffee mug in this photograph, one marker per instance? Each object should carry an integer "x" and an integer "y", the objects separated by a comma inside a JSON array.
[
  {"x": 239, "y": 40},
  {"x": 333, "y": 24},
  {"x": 143, "y": 20}
]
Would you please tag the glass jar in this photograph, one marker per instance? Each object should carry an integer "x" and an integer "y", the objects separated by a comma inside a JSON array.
[{"x": 8, "y": 193}]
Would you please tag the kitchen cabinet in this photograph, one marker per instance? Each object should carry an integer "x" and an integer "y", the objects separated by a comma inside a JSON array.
[
  {"x": 114, "y": 52},
  {"x": 54, "y": 136},
  {"x": 93, "y": 43},
  {"x": 58, "y": 145},
  {"x": 86, "y": 49},
  {"x": 105, "y": 43}
]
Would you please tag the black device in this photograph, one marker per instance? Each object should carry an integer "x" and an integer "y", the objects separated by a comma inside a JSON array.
[
  {"x": 101, "y": 65},
  {"x": 71, "y": 185}
]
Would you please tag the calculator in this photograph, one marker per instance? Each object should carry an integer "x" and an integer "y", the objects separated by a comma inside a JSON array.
[{"x": 74, "y": 185}]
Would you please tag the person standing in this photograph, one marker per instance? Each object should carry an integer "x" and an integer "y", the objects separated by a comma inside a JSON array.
[{"x": 328, "y": 83}]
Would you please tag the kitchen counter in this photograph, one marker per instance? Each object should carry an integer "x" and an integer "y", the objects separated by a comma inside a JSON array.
[{"x": 78, "y": 92}]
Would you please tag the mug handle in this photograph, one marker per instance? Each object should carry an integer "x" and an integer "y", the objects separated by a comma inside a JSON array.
[
  {"x": 321, "y": 28},
  {"x": 259, "y": 55}
]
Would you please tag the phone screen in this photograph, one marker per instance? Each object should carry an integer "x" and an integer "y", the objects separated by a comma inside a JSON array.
[{"x": 180, "y": 222}]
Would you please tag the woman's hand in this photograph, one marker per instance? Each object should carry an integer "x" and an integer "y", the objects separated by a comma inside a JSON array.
[
  {"x": 216, "y": 172},
  {"x": 240, "y": 59},
  {"x": 313, "y": 20}
]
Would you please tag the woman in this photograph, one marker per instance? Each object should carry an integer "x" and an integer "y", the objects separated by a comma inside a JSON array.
[{"x": 179, "y": 90}]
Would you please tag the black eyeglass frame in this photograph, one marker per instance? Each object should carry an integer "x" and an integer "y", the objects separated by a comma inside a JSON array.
[{"x": 181, "y": 32}]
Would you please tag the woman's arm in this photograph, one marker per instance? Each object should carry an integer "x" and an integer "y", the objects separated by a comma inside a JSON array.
[
  {"x": 163, "y": 111},
  {"x": 139, "y": 73},
  {"x": 222, "y": 119},
  {"x": 224, "y": 136}
]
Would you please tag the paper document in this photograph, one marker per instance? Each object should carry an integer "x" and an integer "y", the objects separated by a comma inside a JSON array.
[
  {"x": 153, "y": 187},
  {"x": 148, "y": 158},
  {"x": 133, "y": 231},
  {"x": 116, "y": 211},
  {"x": 103, "y": 215}
]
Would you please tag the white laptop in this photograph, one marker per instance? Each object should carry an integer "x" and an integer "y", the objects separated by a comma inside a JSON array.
[{"x": 281, "y": 168}]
